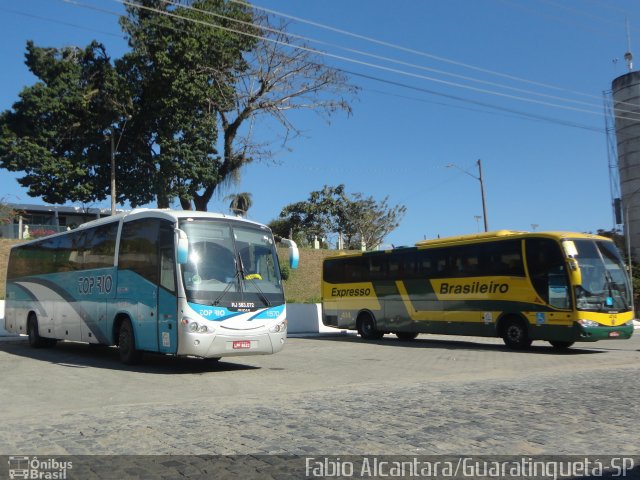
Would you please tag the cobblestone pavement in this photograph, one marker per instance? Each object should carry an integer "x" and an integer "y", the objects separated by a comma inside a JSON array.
[{"x": 329, "y": 396}]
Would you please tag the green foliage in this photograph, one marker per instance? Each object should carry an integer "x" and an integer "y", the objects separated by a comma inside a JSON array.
[
  {"x": 181, "y": 72},
  {"x": 361, "y": 220},
  {"x": 55, "y": 133},
  {"x": 7, "y": 213},
  {"x": 285, "y": 271},
  {"x": 180, "y": 106},
  {"x": 240, "y": 203}
]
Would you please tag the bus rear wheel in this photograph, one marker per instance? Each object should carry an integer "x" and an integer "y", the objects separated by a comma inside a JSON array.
[
  {"x": 560, "y": 345},
  {"x": 129, "y": 355},
  {"x": 367, "y": 328},
  {"x": 406, "y": 336},
  {"x": 515, "y": 335},
  {"x": 35, "y": 340}
]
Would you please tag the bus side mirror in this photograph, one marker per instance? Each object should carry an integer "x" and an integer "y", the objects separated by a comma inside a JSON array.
[
  {"x": 294, "y": 253},
  {"x": 182, "y": 249},
  {"x": 571, "y": 252},
  {"x": 574, "y": 272}
]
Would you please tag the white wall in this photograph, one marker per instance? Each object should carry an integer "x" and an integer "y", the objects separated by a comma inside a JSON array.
[{"x": 3, "y": 332}]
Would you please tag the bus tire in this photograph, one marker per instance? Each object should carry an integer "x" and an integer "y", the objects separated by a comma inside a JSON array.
[
  {"x": 560, "y": 345},
  {"x": 129, "y": 354},
  {"x": 35, "y": 340},
  {"x": 367, "y": 328},
  {"x": 406, "y": 336},
  {"x": 515, "y": 334}
]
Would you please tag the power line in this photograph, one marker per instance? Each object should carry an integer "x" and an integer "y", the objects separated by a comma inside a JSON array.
[
  {"x": 392, "y": 60},
  {"x": 68, "y": 24},
  {"x": 363, "y": 63},
  {"x": 414, "y": 51},
  {"x": 512, "y": 111},
  {"x": 476, "y": 102}
]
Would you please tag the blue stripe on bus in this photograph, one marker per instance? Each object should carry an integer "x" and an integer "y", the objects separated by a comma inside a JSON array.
[
  {"x": 220, "y": 314},
  {"x": 213, "y": 313},
  {"x": 269, "y": 313}
]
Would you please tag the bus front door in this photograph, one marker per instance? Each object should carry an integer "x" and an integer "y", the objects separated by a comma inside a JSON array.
[{"x": 167, "y": 293}]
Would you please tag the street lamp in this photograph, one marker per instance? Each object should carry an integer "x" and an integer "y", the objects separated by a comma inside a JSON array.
[
  {"x": 114, "y": 150},
  {"x": 477, "y": 217},
  {"x": 479, "y": 178}
]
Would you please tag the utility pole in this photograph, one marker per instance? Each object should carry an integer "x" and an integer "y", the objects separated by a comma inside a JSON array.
[
  {"x": 113, "y": 175},
  {"x": 484, "y": 204},
  {"x": 114, "y": 149}
]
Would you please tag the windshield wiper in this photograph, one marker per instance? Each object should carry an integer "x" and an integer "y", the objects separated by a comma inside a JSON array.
[
  {"x": 613, "y": 286},
  {"x": 261, "y": 294},
  {"x": 230, "y": 283}
]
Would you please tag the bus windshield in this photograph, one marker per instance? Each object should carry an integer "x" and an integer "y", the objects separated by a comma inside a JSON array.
[
  {"x": 605, "y": 285},
  {"x": 231, "y": 265}
]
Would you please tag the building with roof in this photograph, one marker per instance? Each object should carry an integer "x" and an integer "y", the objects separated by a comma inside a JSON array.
[{"x": 30, "y": 221}]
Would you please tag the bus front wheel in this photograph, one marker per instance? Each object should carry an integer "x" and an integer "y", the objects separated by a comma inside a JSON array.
[
  {"x": 129, "y": 355},
  {"x": 367, "y": 328},
  {"x": 515, "y": 335}
]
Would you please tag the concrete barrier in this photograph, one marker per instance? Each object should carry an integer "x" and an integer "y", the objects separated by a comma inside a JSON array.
[
  {"x": 304, "y": 318},
  {"x": 3, "y": 332}
]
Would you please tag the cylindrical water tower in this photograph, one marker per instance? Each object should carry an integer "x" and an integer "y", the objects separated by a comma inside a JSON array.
[{"x": 626, "y": 105}]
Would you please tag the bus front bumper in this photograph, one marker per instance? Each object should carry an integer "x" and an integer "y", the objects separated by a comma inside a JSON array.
[
  {"x": 215, "y": 346},
  {"x": 593, "y": 334}
]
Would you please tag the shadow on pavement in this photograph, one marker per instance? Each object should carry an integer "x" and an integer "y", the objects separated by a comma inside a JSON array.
[
  {"x": 81, "y": 355},
  {"x": 425, "y": 341}
]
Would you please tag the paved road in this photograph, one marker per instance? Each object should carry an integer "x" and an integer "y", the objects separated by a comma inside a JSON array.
[{"x": 326, "y": 395}]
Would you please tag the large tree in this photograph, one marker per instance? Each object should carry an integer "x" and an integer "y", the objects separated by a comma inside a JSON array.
[
  {"x": 55, "y": 132},
  {"x": 361, "y": 221},
  {"x": 182, "y": 105},
  {"x": 178, "y": 69},
  {"x": 283, "y": 75}
]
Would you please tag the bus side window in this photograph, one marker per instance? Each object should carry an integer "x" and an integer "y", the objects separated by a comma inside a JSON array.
[
  {"x": 100, "y": 246},
  {"x": 546, "y": 270},
  {"x": 139, "y": 248},
  {"x": 378, "y": 267},
  {"x": 353, "y": 270}
]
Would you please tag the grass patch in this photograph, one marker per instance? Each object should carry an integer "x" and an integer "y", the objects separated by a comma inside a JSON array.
[{"x": 303, "y": 284}]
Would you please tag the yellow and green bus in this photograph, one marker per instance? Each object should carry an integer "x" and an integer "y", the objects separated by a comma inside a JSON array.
[{"x": 554, "y": 286}]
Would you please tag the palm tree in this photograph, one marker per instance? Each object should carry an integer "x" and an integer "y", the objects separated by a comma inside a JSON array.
[{"x": 240, "y": 203}]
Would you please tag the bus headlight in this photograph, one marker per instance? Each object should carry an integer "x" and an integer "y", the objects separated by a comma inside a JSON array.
[
  {"x": 195, "y": 327},
  {"x": 589, "y": 323},
  {"x": 279, "y": 327}
]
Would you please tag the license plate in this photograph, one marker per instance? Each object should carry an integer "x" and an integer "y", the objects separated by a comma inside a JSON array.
[
  {"x": 614, "y": 334},
  {"x": 240, "y": 344}
]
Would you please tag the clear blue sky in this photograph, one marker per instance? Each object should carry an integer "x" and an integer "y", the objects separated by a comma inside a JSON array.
[{"x": 544, "y": 160}]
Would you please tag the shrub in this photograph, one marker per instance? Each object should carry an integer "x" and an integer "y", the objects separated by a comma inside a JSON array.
[{"x": 285, "y": 271}]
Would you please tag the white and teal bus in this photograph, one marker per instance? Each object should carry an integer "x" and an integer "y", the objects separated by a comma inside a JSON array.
[{"x": 174, "y": 282}]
